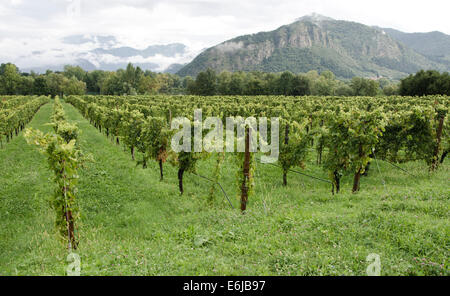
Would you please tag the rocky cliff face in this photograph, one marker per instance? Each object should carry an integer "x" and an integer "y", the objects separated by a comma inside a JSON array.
[{"x": 315, "y": 43}]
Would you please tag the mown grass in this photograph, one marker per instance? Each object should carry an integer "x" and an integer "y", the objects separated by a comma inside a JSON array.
[{"x": 133, "y": 224}]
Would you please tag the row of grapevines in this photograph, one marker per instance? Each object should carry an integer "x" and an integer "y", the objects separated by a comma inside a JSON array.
[
  {"x": 15, "y": 113},
  {"x": 345, "y": 132},
  {"x": 64, "y": 158}
]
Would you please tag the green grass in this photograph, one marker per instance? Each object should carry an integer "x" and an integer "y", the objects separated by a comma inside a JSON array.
[{"x": 133, "y": 224}]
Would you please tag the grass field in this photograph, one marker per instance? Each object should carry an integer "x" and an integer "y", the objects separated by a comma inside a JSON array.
[{"x": 133, "y": 224}]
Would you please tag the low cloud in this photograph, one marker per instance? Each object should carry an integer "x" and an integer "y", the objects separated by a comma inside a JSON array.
[{"x": 230, "y": 46}]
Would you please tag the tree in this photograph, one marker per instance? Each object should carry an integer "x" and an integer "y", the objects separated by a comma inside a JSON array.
[
  {"x": 425, "y": 83},
  {"x": 271, "y": 82},
  {"x": 148, "y": 85},
  {"x": 55, "y": 84},
  {"x": 391, "y": 89},
  {"x": 206, "y": 83},
  {"x": 236, "y": 84},
  {"x": 189, "y": 85},
  {"x": 72, "y": 71},
  {"x": 323, "y": 86},
  {"x": 111, "y": 84},
  {"x": 59, "y": 85},
  {"x": 255, "y": 86},
  {"x": 343, "y": 89},
  {"x": 130, "y": 78},
  {"x": 40, "y": 86},
  {"x": 223, "y": 83},
  {"x": 25, "y": 85},
  {"x": 285, "y": 83},
  {"x": 168, "y": 83},
  {"x": 364, "y": 87},
  {"x": 73, "y": 86},
  {"x": 328, "y": 75},
  {"x": 9, "y": 79},
  {"x": 94, "y": 80},
  {"x": 301, "y": 86}
]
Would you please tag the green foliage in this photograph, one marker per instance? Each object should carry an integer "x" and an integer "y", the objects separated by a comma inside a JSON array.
[
  {"x": 133, "y": 80},
  {"x": 285, "y": 83},
  {"x": 426, "y": 83},
  {"x": 412, "y": 135},
  {"x": 293, "y": 145},
  {"x": 15, "y": 113},
  {"x": 345, "y": 129},
  {"x": 364, "y": 87},
  {"x": 131, "y": 129},
  {"x": 136, "y": 225},
  {"x": 216, "y": 175},
  {"x": 61, "y": 126},
  {"x": 205, "y": 84},
  {"x": 9, "y": 79},
  {"x": 75, "y": 81},
  {"x": 77, "y": 72},
  {"x": 350, "y": 139},
  {"x": 64, "y": 159},
  {"x": 156, "y": 137}
]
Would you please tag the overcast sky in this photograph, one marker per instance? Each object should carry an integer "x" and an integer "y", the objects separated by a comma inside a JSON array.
[{"x": 39, "y": 25}]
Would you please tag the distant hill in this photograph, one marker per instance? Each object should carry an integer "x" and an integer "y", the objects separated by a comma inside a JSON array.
[
  {"x": 174, "y": 68},
  {"x": 169, "y": 50},
  {"x": 434, "y": 45},
  {"x": 320, "y": 43}
]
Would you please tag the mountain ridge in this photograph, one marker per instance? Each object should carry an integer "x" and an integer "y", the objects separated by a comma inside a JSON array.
[
  {"x": 434, "y": 45},
  {"x": 315, "y": 42}
]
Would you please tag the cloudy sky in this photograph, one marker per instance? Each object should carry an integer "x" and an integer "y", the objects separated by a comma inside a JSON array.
[{"x": 28, "y": 27}]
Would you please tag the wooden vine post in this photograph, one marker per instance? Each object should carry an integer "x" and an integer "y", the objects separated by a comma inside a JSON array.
[
  {"x": 336, "y": 182},
  {"x": 246, "y": 181},
  {"x": 68, "y": 216},
  {"x": 180, "y": 180},
  {"x": 357, "y": 177},
  {"x": 320, "y": 147},
  {"x": 162, "y": 151},
  {"x": 161, "y": 173},
  {"x": 286, "y": 142},
  {"x": 435, "y": 163}
]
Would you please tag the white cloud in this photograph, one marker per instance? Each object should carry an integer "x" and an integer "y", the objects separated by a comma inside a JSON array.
[
  {"x": 16, "y": 2},
  {"x": 39, "y": 25}
]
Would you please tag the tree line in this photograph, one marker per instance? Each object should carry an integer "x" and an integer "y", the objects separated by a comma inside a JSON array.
[
  {"x": 425, "y": 83},
  {"x": 312, "y": 83},
  {"x": 285, "y": 83},
  {"x": 12, "y": 82},
  {"x": 73, "y": 80}
]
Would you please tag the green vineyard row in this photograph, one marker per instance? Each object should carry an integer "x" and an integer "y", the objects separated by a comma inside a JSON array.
[
  {"x": 16, "y": 112},
  {"x": 346, "y": 132}
]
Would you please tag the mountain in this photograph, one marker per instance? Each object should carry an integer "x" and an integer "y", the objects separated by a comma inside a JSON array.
[
  {"x": 174, "y": 68},
  {"x": 107, "y": 53},
  {"x": 316, "y": 42},
  {"x": 169, "y": 50},
  {"x": 433, "y": 45}
]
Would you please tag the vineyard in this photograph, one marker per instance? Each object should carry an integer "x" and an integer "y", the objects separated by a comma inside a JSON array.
[
  {"x": 15, "y": 113},
  {"x": 355, "y": 175},
  {"x": 349, "y": 130}
]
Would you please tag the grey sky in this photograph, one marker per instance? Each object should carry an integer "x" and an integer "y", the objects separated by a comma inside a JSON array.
[{"x": 40, "y": 25}]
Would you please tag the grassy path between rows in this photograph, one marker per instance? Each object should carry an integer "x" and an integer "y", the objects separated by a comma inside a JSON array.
[{"x": 133, "y": 224}]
